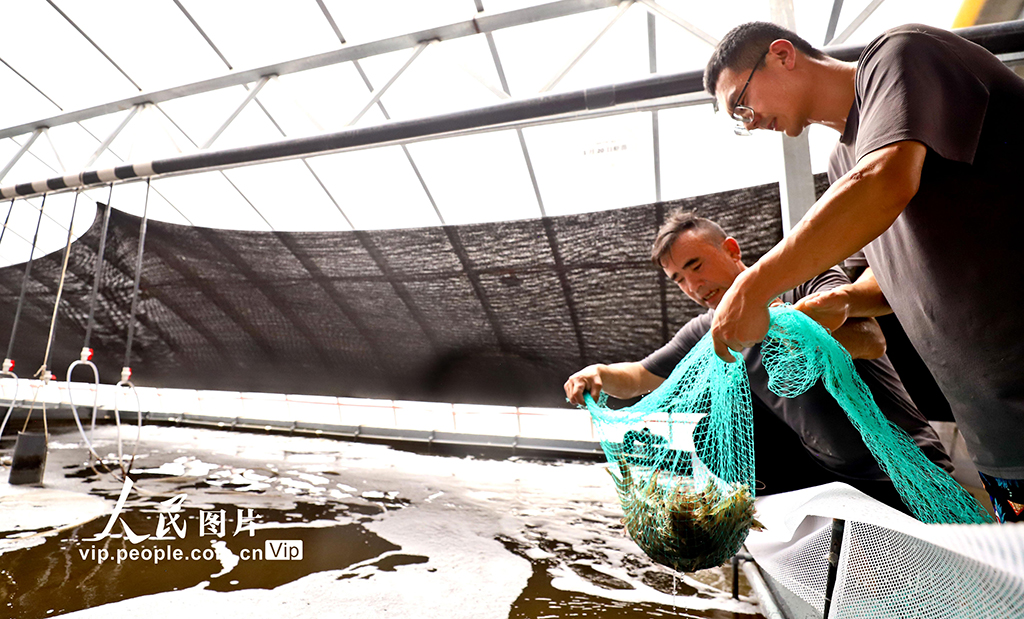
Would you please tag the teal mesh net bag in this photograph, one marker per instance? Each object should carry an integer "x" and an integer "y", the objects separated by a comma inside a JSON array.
[{"x": 682, "y": 458}]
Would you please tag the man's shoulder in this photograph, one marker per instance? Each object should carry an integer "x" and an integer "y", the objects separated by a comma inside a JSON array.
[
  {"x": 909, "y": 40},
  {"x": 914, "y": 30},
  {"x": 662, "y": 361},
  {"x": 911, "y": 34},
  {"x": 693, "y": 330},
  {"x": 697, "y": 326}
]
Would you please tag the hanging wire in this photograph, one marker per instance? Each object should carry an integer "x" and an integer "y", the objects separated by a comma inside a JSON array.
[
  {"x": 8, "y": 365},
  {"x": 99, "y": 271},
  {"x": 85, "y": 358},
  {"x": 126, "y": 370},
  {"x": 86, "y": 353},
  {"x": 138, "y": 277},
  {"x": 42, "y": 373},
  {"x": 24, "y": 283},
  {"x": 6, "y": 220}
]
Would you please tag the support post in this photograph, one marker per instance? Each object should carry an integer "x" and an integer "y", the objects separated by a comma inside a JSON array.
[
  {"x": 836, "y": 546},
  {"x": 796, "y": 185},
  {"x": 652, "y": 53}
]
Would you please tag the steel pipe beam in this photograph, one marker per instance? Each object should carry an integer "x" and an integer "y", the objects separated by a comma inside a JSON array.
[
  {"x": 380, "y": 92},
  {"x": 833, "y": 21},
  {"x": 477, "y": 25},
  {"x": 375, "y": 99},
  {"x": 56, "y": 154},
  {"x": 656, "y": 9},
  {"x": 623, "y": 7},
  {"x": 21, "y": 152},
  {"x": 856, "y": 23},
  {"x": 238, "y": 110},
  {"x": 622, "y": 98},
  {"x": 646, "y": 94},
  {"x": 105, "y": 144},
  {"x": 519, "y": 131}
]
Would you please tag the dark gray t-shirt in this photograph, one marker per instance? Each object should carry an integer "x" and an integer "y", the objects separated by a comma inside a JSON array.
[
  {"x": 816, "y": 417},
  {"x": 952, "y": 265}
]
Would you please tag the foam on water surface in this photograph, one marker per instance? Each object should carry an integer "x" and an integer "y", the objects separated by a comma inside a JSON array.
[{"x": 384, "y": 533}]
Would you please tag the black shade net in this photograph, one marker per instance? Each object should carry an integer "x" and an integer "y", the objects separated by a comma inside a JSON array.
[{"x": 487, "y": 313}]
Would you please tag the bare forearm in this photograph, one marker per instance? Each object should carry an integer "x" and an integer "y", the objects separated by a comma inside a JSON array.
[
  {"x": 854, "y": 211},
  {"x": 865, "y": 297},
  {"x": 627, "y": 380},
  {"x": 620, "y": 380},
  {"x": 862, "y": 338}
]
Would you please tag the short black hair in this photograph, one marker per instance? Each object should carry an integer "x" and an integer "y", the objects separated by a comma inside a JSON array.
[
  {"x": 745, "y": 44},
  {"x": 678, "y": 223}
]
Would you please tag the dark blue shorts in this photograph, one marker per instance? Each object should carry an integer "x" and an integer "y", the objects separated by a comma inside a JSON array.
[{"x": 1007, "y": 497}]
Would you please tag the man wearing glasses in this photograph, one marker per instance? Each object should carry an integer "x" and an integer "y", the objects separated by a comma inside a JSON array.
[{"x": 923, "y": 179}]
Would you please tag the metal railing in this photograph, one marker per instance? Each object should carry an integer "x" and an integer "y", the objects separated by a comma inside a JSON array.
[{"x": 567, "y": 431}]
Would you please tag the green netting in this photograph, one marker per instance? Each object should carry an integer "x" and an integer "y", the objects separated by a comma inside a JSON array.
[{"x": 683, "y": 457}]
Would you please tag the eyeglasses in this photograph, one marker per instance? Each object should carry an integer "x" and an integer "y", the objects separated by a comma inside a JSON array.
[{"x": 743, "y": 114}]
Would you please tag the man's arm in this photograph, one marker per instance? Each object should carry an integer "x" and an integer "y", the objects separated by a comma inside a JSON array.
[
  {"x": 832, "y": 308},
  {"x": 620, "y": 380},
  {"x": 854, "y": 211},
  {"x": 864, "y": 297},
  {"x": 861, "y": 337},
  {"x": 845, "y": 311}
]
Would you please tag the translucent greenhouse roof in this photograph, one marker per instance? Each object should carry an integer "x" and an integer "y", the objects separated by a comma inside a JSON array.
[{"x": 71, "y": 56}]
